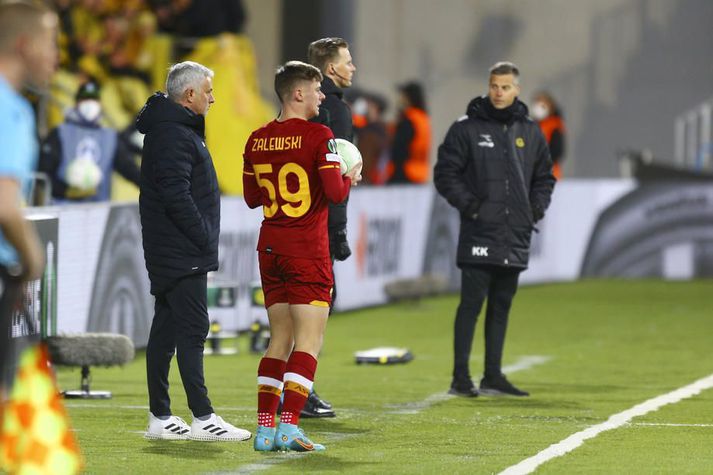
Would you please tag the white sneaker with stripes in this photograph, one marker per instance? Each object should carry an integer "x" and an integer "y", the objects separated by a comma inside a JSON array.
[
  {"x": 216, "y": 429},
  {"x": 173, "y": 428}
]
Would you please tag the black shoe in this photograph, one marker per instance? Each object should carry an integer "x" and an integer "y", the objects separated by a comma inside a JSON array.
[
  {"x": 499, "y": 386},
  {"x": 315, "y": 407},
  {"x": 463, "y": 388},
  {"x": 312, "y": 409},
  {"x": 319, "y": 402}
]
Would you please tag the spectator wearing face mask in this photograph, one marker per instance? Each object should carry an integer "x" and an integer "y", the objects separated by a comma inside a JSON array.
[
  {"x": 546, "y": 112},
  {"x": 80, "y": 155},
  {"x": 372, "y": 138}
]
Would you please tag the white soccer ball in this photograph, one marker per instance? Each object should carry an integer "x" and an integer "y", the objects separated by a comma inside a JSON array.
[
  {"x": 84, "y": 174},
  {"x": 349, "y": 155}
]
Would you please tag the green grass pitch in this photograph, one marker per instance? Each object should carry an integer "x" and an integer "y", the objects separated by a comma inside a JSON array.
[{"x": 611, "y": 345}]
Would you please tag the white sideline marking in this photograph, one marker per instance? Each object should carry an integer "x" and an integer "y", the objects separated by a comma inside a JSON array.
[
  {"x": 338, "y": 436},
  {"x": 75, "y": 405},
  {"x": 275, "y": 459},
  {"x": 526, "y": 362},
  {"x": 667, "y": 424},
  {"x": 280, "y": 458},
  {"x": 617, "y": 420}
]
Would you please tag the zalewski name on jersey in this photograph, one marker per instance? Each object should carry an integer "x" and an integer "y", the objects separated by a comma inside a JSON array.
[{"x": 276, "y": 144}]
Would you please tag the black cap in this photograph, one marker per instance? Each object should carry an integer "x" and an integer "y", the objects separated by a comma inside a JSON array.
[{"x": 88, "y": 90}]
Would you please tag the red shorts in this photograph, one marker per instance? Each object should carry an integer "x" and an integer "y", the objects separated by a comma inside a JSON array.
[{"x": 296, "y": 280}]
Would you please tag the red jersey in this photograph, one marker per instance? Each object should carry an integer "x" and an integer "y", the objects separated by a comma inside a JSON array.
[{"x": 291, "y": 168}]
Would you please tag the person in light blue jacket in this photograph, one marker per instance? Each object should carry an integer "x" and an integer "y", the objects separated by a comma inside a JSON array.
[{"x": 28, "y": 56}]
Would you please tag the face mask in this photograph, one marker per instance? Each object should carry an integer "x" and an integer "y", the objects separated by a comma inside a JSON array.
[
  {"x": 90, "y": 110},
  {"x": 539, "y": 111}
]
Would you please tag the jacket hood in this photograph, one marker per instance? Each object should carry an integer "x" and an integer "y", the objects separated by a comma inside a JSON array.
[
  {"x": 477, "y": 109},
  {"x": 159, "y": 109},
  {"x": 328, "y": 87}
]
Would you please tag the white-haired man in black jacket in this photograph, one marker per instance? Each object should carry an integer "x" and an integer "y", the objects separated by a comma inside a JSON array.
[{"x": 179, "y": 203}]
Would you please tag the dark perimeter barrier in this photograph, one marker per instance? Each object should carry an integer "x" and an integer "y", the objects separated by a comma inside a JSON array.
[{"x": 427, "y": 285}]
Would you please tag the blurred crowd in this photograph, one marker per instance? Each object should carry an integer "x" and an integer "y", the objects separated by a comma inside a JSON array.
[
  {"x": 394, "y": 152},
  {"x": 127, "y": 45},
  {"x": 123, "y": 48}
]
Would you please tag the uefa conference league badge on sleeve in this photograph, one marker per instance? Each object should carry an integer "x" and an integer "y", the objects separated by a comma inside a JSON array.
[
  {"x": 345, "y": 153},
  {"x": 332, "y": 154}
]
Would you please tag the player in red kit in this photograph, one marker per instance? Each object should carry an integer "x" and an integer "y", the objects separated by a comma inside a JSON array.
[{"x": 291, "y": 168}]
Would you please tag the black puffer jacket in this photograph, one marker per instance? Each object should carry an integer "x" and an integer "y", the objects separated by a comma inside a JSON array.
[
  {"x": 336, "y": 114},
  {"x": 499, "y": 176},
  {"x": 179, "y": 197}
]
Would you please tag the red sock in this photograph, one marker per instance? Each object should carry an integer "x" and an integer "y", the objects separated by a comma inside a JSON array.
[
  {"x": 299, "y": 377},
  {"x": 269, "y": 387}
]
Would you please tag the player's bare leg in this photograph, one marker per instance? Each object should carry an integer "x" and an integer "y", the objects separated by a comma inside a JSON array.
[
  {"x": 309, "y": 322},
  {"x": 281, "y": 332}
]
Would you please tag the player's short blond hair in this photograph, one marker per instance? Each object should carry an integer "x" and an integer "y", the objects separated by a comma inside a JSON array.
[{"x": 324, "y": 51}]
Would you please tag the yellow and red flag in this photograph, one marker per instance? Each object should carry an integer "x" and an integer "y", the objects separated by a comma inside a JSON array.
[{"x": 35, "y": 434}]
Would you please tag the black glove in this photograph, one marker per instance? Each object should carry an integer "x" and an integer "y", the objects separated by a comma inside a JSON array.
[
  {"x": 472, "y": 210},
  {"x": 338, "y": 245},
  {"x": 537, "y": 213}
]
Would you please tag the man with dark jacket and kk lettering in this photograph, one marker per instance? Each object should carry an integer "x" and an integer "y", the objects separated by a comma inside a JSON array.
[{"x": 495, "y": 168}]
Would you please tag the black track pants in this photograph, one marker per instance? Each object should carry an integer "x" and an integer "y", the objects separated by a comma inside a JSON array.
[
  {"x": 180, "y": 324},
  {"x": 498, "y": 285}
]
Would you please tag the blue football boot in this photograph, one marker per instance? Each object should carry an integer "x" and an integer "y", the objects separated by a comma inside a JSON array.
[
  {"x": 291, "y": 437},
  {"x": 264, "y": 439}
]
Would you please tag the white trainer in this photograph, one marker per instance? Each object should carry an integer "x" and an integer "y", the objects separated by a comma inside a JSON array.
[
  {"x": 216, "y": 429},
  {"x": 173, "y": 428}
]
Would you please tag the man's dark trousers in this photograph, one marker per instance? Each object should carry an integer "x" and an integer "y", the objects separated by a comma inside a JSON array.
[
  {"x": 180, "y": 324},
  {"x": 10, "y": 293},
  {"x": 478, "y": 282}
]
